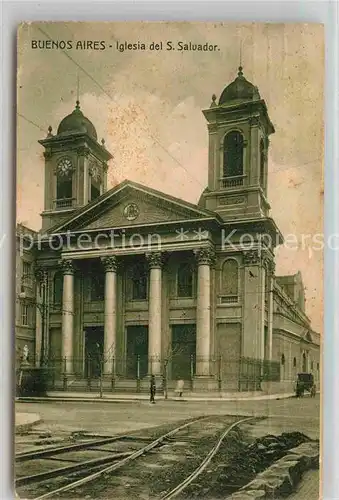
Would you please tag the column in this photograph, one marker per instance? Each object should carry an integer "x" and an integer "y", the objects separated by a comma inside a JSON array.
[
  {"x": 254, "y": 305},
  {"x": 110, "y": 321},
  {"x": 41, "y": 345},
  {"x": 205, "y": 257},
  {"x": 154, "y": 313},
  {"x": 270, "y": 273},
  {"x": 67, "y": 315}
]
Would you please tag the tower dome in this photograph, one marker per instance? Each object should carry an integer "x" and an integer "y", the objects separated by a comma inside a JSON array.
[
  {"x": 239, "y": 89},
  {"x": 77, "y": 122}
]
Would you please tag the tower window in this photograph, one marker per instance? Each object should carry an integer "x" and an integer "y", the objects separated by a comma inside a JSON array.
[
  {"x": 262, "y": 163},
  {"x": 229, "y": 281},
  {"x": 64, "y": 191},
  {"x": 283, "y": 359},
  {"x": 294, "y": 362},
  {"x": 185, "y": 280},
  {"x": 233, "y": 154}
]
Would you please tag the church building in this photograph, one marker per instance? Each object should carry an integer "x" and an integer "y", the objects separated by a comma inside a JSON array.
[{"x": 134, "y": 282}]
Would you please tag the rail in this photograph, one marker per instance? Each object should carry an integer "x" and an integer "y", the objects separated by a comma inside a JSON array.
[
  {"x": 186, "y": 482},
  {"x": 118, "y": 465},
  {"x": 119, "y": 459}
]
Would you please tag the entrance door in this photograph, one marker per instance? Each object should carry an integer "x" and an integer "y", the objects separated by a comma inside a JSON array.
[
  {"x": 137, "y": 351},
  {"x": 94, "y": 348},
  {"x": 183, "y": 351}
]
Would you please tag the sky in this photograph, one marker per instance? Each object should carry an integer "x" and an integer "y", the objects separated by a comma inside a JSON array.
[{"x": 147, "y": 105}]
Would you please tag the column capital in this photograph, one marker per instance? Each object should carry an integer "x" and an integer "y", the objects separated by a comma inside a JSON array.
[
  {"x": 254, "y": 120},
  {"x": 205, "y": 256},
  {"x": 67, "y": 267},
  {"x": 269, "y": 265},
  {"x": 252, "y": 257},
  {"x": 155, "y": 260},
  {"x": 110, "y": 264},
  {"x": 83, "y": 151}
]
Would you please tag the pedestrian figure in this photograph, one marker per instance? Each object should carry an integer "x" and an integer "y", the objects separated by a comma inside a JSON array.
[
  {"x": 152, "y": 390},
  {"x": 180, "y": 387}
]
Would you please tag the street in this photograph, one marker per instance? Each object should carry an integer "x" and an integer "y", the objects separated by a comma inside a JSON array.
[
  {"x": 60, "y": 419},
  {"x": 111, "y": 417}
]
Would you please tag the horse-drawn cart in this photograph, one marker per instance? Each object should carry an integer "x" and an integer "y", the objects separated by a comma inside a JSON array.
[{"x": 305, "y": 383}]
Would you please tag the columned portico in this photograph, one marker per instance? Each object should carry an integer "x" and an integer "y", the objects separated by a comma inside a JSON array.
[
  {"x": 204, "y": 258},
  {"x": 110, "y": 313},
  {"x": 154, "y": 312},
  {"x": 67, "y": 315}
]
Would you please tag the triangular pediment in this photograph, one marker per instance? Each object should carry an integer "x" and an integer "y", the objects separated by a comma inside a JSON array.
[{"x": 131, "y": 204}]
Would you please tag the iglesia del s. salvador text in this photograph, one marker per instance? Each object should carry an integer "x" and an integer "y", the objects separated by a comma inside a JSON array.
[{"x": 172, "y": 296}]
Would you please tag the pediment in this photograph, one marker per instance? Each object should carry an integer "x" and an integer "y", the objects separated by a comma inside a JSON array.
[
  {"x": 131, "y": 204},
  {"x": 134, "y": 211}
]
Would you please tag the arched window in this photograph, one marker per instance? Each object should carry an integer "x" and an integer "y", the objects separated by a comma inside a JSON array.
[
  {"x": 139, "y": 276},
  {"x": 185, "y": 280},
  {"x": 283, "y": 359},
  {"x": 294, "y": 362},
  {"x": 57, "y": 287},
  {"x": 262, "y": 163},
  {"x": 233, "y": 154},
  {"x": 229, "y": 281}
]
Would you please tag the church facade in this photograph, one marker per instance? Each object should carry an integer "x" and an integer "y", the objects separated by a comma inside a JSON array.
[{"x": 132, "y": 281}]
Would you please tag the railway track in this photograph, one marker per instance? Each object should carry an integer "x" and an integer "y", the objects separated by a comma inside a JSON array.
[{"x": 62, "y": 481}]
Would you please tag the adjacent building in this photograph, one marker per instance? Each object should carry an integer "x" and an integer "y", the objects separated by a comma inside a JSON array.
[{"x": 25, "y": 292}]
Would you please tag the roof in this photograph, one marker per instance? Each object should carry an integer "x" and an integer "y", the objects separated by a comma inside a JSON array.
[
  {"x": 98, "y": 205},
  {"x": 77, "y": 122},
  {"x": 239, "y": 89}
]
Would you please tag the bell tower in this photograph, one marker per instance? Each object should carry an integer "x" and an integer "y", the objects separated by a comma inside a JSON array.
[
  {"x": 239, "y": 128},
  {"x": 75, "y": 167}
]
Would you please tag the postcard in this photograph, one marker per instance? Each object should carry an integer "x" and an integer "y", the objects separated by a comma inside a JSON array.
[{"x": 169, "y": 260}]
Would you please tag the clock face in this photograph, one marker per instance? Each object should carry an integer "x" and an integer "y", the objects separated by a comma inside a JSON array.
[{"x": 65, "y": 166}]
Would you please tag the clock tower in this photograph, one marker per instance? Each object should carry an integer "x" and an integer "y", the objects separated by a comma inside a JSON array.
[{"x": 75, "y": 167}]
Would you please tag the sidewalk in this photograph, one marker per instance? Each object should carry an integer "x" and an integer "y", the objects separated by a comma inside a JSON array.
[
  {"x": 123, "y": 397},
  {"x": 24, "y": 421}
]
